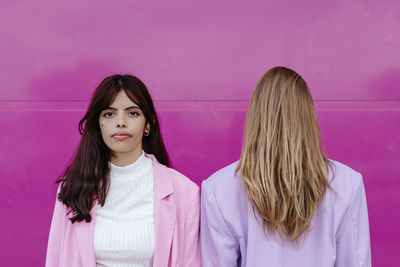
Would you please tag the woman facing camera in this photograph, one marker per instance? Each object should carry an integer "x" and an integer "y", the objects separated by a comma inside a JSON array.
[
  {"x": 284, "y": 203},
  {"x": 118, "y": 203}
]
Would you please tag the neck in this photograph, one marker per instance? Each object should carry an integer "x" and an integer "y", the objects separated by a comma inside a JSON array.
[{"x": 124, "y": 159}]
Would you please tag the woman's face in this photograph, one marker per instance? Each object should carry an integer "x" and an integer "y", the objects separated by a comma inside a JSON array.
[{"x": 122, "y": 126}]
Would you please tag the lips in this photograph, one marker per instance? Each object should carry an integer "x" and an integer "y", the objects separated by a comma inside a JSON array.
[{"x": 121, "y": 135}]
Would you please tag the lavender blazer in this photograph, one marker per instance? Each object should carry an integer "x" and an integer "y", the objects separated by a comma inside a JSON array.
[
  {"x": 176, "y": 225},
  {"x": 338, "y": 235}
]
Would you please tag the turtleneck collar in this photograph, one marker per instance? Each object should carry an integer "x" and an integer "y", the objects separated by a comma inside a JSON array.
[{"x": 128, "y": 169}]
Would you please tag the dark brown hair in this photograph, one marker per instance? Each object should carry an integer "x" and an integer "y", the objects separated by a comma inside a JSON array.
[{"x": 86, "y": 178}]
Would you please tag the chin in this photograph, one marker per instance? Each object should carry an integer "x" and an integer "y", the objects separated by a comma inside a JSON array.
[{"x": 118, "y": 149}]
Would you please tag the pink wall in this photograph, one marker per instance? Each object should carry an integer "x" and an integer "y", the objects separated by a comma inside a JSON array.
[{"x": 201, "y": 61}]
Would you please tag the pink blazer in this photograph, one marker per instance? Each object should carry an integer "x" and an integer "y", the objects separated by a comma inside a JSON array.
[{"x": 176, "y": 223}]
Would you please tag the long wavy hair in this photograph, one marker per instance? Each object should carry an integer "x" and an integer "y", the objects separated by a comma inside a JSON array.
[
  {"x": 86, "y": 178},
  {"x": 283, "y": 167}
]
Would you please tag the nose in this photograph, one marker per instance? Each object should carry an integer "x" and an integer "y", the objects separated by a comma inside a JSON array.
[{"x": 121, "y": 121}]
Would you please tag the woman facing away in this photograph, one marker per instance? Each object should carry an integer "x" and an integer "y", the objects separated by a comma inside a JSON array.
[
  {"x": 118, "y": 203},
  {"x": 284, "y": 203}
]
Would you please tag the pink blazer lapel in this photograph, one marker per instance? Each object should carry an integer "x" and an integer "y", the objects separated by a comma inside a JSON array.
[
  {"x": 84, "y": 238},
  {"x": 164, "y": 221},
  {"x": 164, "y": 214}
]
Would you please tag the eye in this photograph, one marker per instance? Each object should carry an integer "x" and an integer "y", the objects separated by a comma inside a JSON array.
[
  {"x": 108, "y": 114},
  {"x": 133, "y": 113}
]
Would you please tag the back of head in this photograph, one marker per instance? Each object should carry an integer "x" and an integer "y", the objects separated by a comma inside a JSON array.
[{"x": 282, "y": 166}]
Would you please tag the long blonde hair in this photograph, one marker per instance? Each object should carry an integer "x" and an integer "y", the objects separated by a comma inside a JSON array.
[{"x": 283, "y": 168}]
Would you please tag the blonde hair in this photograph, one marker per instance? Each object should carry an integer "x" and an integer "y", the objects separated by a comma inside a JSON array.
[{"x": 283, "y": 168}]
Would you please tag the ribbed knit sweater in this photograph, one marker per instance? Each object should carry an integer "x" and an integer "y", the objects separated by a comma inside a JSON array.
[{"x": 124, "y": 226}]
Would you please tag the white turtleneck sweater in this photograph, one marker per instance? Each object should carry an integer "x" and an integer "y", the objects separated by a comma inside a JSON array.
[{"x": 124, "y": 226}]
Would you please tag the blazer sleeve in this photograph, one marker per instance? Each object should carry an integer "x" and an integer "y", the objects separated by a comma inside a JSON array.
[
  {"x": 218, "y": 244},
  {"x": 353, "y": 247},
  {"x": 192, "y": 254},
  {"x": 56, "y": 234}
]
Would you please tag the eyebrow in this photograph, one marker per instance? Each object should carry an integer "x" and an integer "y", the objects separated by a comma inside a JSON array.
[{"x": 131, "y": 107}]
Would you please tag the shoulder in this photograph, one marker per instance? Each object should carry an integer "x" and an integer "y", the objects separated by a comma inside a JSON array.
[
  {"x": 61, "y": 215},
  {"x": 225, "y": 188},
  {"x": 223, "y": 179},
  {"x": 178, "y": 181},
  {"x": 344, "y": 181},
  {"x": 174, "y": 181},
  {"x": 59, "y": 206},
  {"x": 222, "y": 176},
  {"x": 181, "y": 182},
  {"x": 343, "y": 177},
  {"x": 223, "y": 199}
]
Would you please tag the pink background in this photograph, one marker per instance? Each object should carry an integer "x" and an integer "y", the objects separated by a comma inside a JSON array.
[{"x": 201, "y": 61}]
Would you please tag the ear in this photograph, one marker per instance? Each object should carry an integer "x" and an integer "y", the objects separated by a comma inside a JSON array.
[{"x": 147, "y": 128}]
